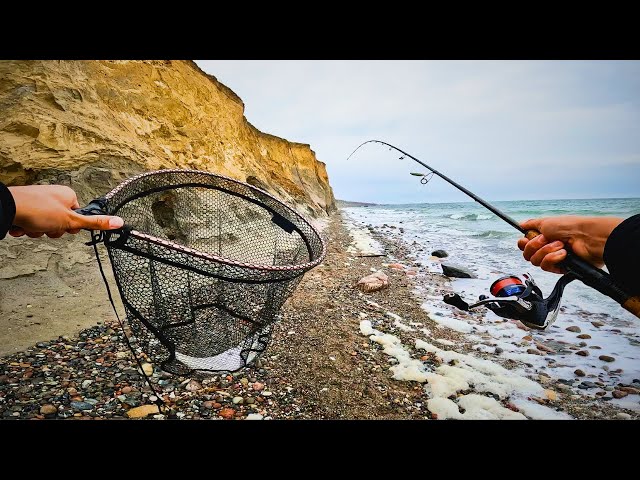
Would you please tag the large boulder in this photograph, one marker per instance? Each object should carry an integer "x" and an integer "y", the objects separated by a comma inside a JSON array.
[{"x": 456, "y": 271}]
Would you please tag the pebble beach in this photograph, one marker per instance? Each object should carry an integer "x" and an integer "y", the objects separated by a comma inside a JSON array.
[{"x": 338, "y": 353}]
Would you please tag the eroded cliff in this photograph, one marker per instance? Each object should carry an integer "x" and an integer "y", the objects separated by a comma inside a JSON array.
[{"x": 90, "y": 124}]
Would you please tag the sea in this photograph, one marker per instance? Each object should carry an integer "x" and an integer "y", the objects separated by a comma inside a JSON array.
[{"x": 476, "y": 239}]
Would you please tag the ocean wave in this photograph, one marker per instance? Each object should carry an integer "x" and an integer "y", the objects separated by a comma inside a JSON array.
[
  {"x": 492, "y": 234},
  {"x": 469, "y": 216},
  {"x": 592, "y": 212}
]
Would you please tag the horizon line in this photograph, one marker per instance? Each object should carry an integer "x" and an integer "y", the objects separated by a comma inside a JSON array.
[{"x": 473, "y": 201}]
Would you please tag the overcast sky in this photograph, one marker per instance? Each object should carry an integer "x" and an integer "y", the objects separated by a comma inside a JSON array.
[{"x": 506, "y": 130}]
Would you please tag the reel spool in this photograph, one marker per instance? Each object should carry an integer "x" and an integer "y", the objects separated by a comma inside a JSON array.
[{"x": 519, "y": 301}]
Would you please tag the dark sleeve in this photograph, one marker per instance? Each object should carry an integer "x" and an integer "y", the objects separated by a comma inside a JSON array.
[
  {"x": 622, "y": 255},
  {"x": 7, "y": 210}
]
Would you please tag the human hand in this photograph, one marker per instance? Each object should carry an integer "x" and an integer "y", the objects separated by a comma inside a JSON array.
[
  {"x": 586, "y": 236},
  {"x": 47, "y": 209}
]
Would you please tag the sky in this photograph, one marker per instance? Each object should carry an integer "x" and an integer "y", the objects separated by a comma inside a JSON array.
[{"x": 506, "y": 130}]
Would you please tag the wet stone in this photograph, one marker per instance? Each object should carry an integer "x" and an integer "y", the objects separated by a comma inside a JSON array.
[
  {"x": 587, "y": 384},
  {"x": 81, "y": 406}
]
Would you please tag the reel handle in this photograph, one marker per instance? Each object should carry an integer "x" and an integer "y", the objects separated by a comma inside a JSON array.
[{"x": 595, "y": 278}]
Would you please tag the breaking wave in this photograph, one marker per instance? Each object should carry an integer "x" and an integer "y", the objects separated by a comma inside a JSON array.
[{"x": 469, "y": 216}]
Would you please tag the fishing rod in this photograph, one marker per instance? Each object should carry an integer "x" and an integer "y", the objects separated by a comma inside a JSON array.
[{"x": 524, "y": 301}]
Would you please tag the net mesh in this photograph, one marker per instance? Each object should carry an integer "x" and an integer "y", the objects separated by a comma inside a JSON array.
[{"x": 204, "y": 265}]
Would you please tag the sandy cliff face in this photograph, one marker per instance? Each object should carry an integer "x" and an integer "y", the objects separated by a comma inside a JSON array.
[{"x": 90, "y": 124}]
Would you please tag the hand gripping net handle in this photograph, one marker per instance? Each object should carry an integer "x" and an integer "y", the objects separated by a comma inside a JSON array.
[{"x": 204, "y": 265}]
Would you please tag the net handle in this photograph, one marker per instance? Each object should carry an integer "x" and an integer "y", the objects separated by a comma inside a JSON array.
[{"x": 98, "y": 237}]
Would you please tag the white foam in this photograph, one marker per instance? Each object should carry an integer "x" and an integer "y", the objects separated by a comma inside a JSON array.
[
  {"x": 539, "y": 412},
  {"x": 476, "y": 407},
  {"x": 452, "y": 323},
  {"x": 363, "y": 242},
  {"x": 498, "y": 373},
  {"x": 397, "y": 322},
  {"x": 447, "y": 380},
  {"x": 366, "y": 328},
  {"x": 407, "y": 368}
]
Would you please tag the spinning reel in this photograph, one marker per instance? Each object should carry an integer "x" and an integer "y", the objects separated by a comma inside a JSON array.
[{"x": 519, "y": 301}]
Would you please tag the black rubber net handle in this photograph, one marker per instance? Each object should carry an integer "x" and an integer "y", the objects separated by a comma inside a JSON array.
[{"x": 97, "y": 206}]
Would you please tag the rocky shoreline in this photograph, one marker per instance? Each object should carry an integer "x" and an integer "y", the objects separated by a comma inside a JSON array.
[{"x": 320, "y": 365}]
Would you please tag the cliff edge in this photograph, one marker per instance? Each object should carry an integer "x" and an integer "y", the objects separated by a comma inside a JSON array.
[{"x": 91, "y": 124}]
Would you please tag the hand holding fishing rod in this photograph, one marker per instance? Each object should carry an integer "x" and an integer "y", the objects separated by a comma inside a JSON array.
[
  {"x": 586, "y": 236},
  {"x": 525, "y": 301}
]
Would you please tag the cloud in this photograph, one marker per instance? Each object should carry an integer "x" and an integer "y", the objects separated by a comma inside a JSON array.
[{"x": 509, "y": 129}]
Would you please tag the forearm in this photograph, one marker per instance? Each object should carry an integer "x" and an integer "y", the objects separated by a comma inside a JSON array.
[
  {"x": 7, "y": 210},
  {"x": 594, "y": 232}
]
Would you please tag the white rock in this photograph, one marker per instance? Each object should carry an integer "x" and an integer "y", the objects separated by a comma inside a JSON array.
[{"x": 254, "y": 416}]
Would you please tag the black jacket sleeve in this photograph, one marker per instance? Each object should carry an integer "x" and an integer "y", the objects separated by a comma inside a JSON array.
[
  {"x": 7, "y": 210},
  {"x": 622, "y": 255}
]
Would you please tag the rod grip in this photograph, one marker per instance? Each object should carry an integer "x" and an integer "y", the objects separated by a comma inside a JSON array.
[
  {"x": 632, "y": 305},
  {"x": 531, "y": 234}
]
